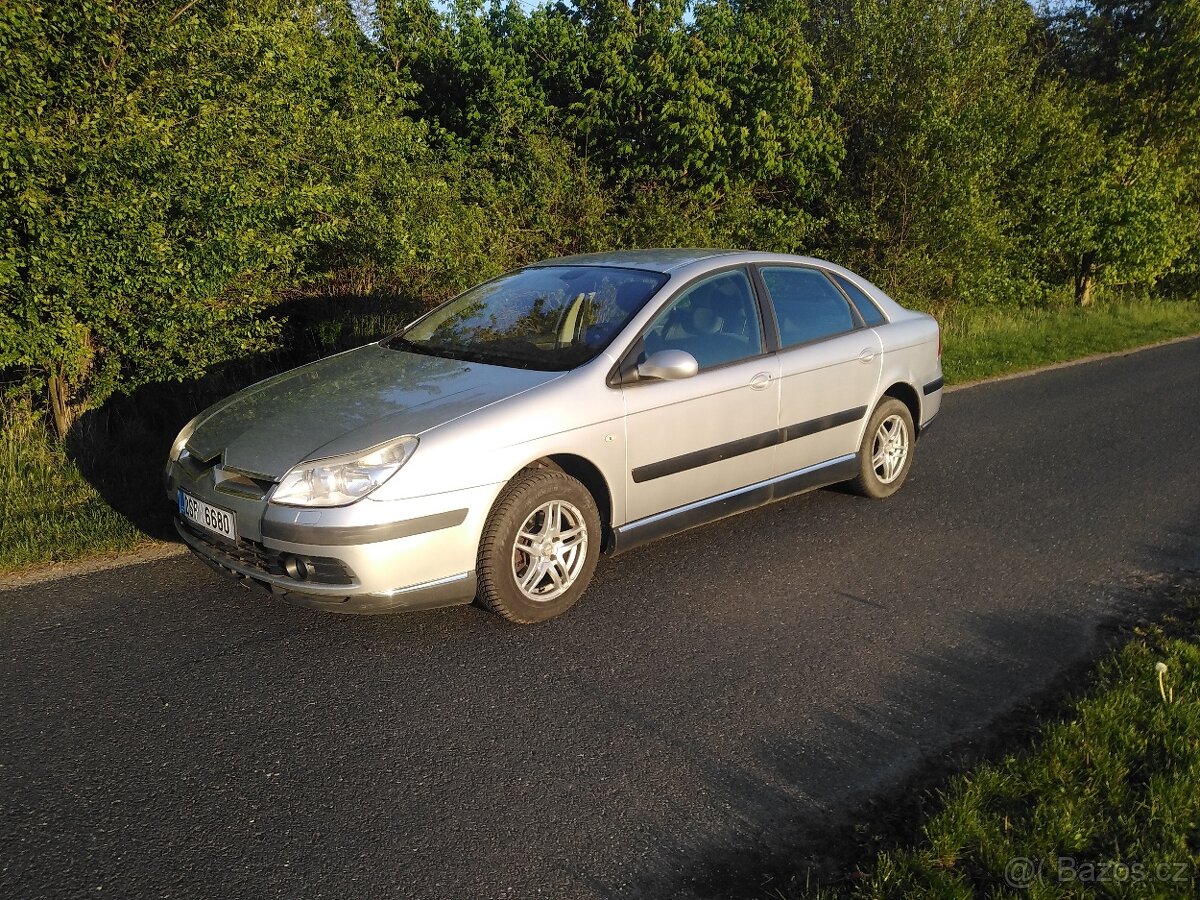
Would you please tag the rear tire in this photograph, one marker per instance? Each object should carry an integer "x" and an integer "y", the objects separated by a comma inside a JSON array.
[
  {"x": 539, "y": 547},
  {"x": 886, "y": 453}
]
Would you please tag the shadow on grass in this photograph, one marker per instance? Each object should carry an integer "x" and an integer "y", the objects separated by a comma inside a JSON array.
[{"x": 121, "y": 448}]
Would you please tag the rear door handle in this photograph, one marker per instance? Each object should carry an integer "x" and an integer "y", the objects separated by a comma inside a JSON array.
[
  {"x": 866, "y": 356},
  {"x": 760, "y": 381}
]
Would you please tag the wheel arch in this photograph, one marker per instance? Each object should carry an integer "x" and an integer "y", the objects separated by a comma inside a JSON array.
[
  {"x": 910, "y": 397},
  {"x": 589, "y": 475}
]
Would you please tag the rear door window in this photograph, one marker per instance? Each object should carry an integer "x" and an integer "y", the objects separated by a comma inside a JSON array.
[{"x": 807, "y": 305}]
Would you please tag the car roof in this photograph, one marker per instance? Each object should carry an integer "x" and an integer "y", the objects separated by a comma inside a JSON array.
[
  {"x": 659, "y": 260},
  {"x": 672, "y": 260}
]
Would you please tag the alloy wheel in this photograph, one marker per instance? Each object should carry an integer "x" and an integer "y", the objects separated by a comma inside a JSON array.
[
  {"x": 889, "y": 450},
  {"x": 550, "y": 550}
]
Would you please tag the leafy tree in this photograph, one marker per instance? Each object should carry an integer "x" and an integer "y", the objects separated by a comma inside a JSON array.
[
  {"x": 160, "y": 181},
  {"x": 473, "y": 65},
  {"x": 933, "y": 98},
  {"x": 170, "y": 171},
  {"x": 513, "y": 188},
  {"x": 1132, "y": 209},
  {"x": 722, "y": 102}
]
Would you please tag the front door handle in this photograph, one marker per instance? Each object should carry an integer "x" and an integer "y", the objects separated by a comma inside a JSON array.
[
  {"x": 760, "y": 381},
  {"x": 866, "y": 356}
]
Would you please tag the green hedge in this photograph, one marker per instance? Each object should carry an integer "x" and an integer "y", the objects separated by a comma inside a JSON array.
[{"x": 169, "y": 172}]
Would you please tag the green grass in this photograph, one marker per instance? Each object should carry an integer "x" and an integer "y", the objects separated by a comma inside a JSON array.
[
  {"x": 1106, "y": 801},
  {"x": 979, "y": 343},
  {"x": 49, "y": 512},
  {"x": 1115, "y": 783}
]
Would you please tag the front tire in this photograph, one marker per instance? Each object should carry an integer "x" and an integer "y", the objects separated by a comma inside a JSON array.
[
  {"x": 539, "y": 548},
  {"x": 886, "y": 453}
]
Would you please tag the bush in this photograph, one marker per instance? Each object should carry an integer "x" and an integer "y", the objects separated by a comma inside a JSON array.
[{"x": 170, "y": 173}]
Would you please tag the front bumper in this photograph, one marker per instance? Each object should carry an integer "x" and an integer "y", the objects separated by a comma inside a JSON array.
[
  {"x": 372, "y": 556},
  {"x": 256, "y": 569}
]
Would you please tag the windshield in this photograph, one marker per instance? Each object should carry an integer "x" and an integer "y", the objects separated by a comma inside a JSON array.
[{"x": 550, "y": 318}]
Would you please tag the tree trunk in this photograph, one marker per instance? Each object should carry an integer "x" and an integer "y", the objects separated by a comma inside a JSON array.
[
  {"x": 1085, "y": 279},
  {"x": 60, "y": 406}
]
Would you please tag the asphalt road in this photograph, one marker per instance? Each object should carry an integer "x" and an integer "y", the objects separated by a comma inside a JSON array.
[{"x": 714, "y": 700}]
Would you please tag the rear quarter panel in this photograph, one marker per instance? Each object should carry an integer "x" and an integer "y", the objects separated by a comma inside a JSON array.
[{"x": 910, "y": 357}]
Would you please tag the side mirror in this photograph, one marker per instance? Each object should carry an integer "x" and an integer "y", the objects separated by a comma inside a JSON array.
[{"x": 669, "y": 365}]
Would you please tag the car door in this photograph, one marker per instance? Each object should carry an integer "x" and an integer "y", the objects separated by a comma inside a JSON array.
[
  {"x": 697, "y": 437},
  {"x": 830, "y": 365}
]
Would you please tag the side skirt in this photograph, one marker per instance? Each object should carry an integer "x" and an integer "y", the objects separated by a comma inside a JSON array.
[{"x": 673, "y": 521}]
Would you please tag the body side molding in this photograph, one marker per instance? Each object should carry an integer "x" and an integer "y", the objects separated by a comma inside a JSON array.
[
  {"x": 672, "y": 521},
  {"x": 710, "y": 455}
]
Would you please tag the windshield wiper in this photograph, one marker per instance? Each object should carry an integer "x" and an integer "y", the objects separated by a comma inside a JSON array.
[
  {"x": 396, "y": 342},
  {"x": 400, "y": 343},
  {"x": 534, "y": 361}
]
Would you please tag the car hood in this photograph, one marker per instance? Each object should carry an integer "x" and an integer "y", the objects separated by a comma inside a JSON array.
[{"x": 347, "y": 403}]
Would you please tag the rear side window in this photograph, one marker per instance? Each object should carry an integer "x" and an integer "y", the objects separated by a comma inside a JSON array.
[
  {"x": 807, "y": 305},
  {"x": 866, "y": 307}
]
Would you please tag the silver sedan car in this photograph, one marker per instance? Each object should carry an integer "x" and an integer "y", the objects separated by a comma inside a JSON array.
[{"x": 496, "y": 446}]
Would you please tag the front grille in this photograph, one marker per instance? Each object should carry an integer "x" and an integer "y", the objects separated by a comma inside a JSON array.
[
  {"x": 256, "y": 557},
  {"x": 193, "y": 465},
  {"x": 240, "y": 484}
]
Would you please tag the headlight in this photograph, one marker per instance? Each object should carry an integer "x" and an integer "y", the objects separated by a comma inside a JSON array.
[
  {"x": 182, "y": 439},
  {"x": 343, "y": 479}
]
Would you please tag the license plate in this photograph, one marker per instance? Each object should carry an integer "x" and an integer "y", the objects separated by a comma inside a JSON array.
[{"x": 213, "y": 518}]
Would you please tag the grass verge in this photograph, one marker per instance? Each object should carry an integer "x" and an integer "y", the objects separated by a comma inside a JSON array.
[
  {"x": 980, "y": 343},
  {"x": 51, "y": 512},
  {"x": 1106, "y": 801}
]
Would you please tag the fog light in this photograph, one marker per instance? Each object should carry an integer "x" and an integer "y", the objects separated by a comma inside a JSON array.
[{"x": 296, "y": 567}]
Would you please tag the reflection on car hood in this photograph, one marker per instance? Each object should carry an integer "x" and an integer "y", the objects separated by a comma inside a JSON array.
[{"x": 348, "y": 403}]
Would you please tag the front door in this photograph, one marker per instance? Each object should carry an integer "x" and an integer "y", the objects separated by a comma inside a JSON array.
[{"x": 698, "y": 437}]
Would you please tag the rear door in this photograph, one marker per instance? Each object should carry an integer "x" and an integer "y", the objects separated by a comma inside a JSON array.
[
  {"x": 830, "y": 365},
  {"x": 701, "y": 436}
]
